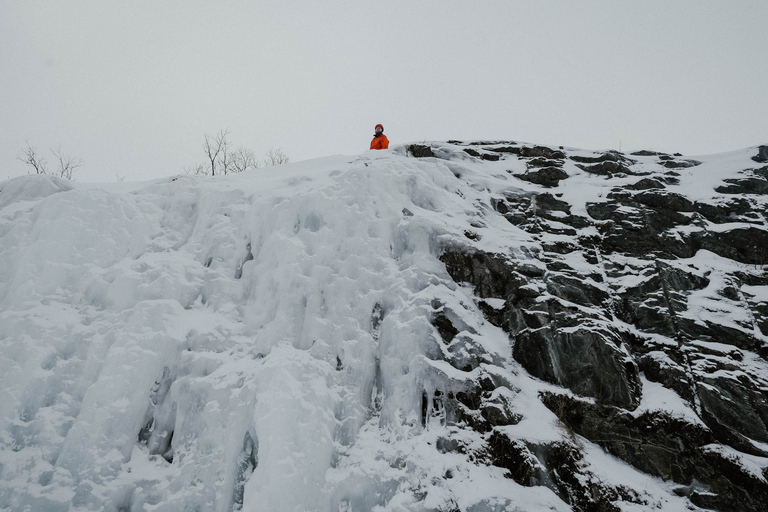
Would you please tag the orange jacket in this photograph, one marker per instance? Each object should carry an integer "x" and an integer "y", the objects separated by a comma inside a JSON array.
[{"x": 380, "y": 142}]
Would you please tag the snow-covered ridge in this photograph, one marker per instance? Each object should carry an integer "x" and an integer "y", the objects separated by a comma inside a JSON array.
[{"x": 296, "y": 338}]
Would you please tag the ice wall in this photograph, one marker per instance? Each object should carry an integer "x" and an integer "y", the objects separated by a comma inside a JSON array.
[{"x": 216, "y": 344}]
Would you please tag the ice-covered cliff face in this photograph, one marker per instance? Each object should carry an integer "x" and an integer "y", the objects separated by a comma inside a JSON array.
[{"x": 449, "y": 327}]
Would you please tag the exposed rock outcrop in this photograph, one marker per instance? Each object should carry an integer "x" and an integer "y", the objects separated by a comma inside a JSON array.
[{"x": 618, "y": 295}]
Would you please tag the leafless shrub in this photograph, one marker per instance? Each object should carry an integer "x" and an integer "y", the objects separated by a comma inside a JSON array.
[
  {"x": 222, "y": 160},
  {"x": 243, "y": 159},
  {"x": 31, "y": 158},
  {"x": 66, "y": 164},
  {"x": 214, "y": 147},
  {"x": 275, "y": 156}
]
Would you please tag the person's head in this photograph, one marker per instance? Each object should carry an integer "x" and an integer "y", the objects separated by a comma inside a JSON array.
[{"x": 379, "y": 128}]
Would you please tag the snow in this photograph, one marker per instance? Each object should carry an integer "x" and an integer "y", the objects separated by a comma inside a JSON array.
[
  {"x": 658, "y": 398},
  {"x": 238, "y": 315}
]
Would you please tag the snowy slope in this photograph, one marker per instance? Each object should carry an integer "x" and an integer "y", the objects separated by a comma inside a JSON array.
[{"x": 267, "y": 341}]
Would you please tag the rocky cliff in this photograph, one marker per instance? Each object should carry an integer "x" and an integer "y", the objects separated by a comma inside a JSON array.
[
  {"x": 477, "y": 326},
  {"x": 640, "y": 279}
]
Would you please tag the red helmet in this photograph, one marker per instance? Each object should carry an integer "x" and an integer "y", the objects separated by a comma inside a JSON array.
[{"x": 379, "y": 126}]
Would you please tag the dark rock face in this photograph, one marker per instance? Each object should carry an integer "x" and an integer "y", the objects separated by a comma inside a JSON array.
[
  {"x": 607, "y": 168},
  {"x": 587, "y": 361},
  {"x": 547, "y": 176},
  {"x": 667, "y": 447},
  {"x": 610, "y": 156},
  {"x": 762, "y": 154},
  {"x": 505, "y": 149},
  {"x": 679, "y": 164},
  {"x": 420, "y": 151},
  {"x": 608, "y": 300},
  {"x": 744, "y": 186},
  {"x": 556, "y": 466},
  {"x": 645, "y": 184},
  {"x": 484, "y": 156},
  {"x": 541, "y": 151}
]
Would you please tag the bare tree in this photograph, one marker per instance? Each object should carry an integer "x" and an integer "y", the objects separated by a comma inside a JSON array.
[
  {"x": 214, "y": 146},
  {"x": 243, "y": 159},
  {"x": 67, "y": 164},
  {"x": 275, "y": 156},
  {"x": 223, "y": 161},
  {"x": 197, "y": 170},
  {"x": 31, "y": 158}
]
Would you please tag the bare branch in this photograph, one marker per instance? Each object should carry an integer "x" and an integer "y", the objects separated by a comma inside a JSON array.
[
  {"x": 222, "y": 159},
  {"x": 214, "y": 146},
  {"x": 243, "y": 159},
  {"x": 197, "y": 170},
  {"x": 31, "y": 158},
  {"x": 67, "y": 164},
  {"x": 275, "y": 156}
]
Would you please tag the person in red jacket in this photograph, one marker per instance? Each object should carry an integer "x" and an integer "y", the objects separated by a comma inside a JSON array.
[{"x": 380, "y": 141}]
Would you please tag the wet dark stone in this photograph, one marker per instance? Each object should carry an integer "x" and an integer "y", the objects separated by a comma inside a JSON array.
[
  {"x": 492, "y": 275},
  {"x": 610, "y": 156},
  {"x": 505, "y": 149},
  {"x": 484, "y": 156},
  {"x": 529, "y": 270},
  {"x": 731, "y": 487},
  {"x": 576, "y": 289},
  {"x": 762, "y": 154},
  {"x": 732, "y": 409},
  {"x": 420, "y": 151},
  {"x": 658, "y": 444},
  {"x": 445, "y": 327},
  {"x": 652, "y": 305},
  {"x": 760, "y": 311},
  {"x": 710, "y": 330},
  {"x": 499, "y": 415},
  {"x": 669, "y": 371},
  {"x": 547, "y": 201},
  {"x": 670, "y": 178},
  {"x": 472, "y": 235},
  {"x": 560, "y": 247},
  {"x": 679, "y": 164},
  {"x": 578, "y": 487},
  {"x": 543, "y": 162},
  {"x": 744, "y": 186},
  {"x": 732, "y": 210},
  {"x": 640, "y": 231},
  {"x": 745, "y": 245},
  {"x": 587, "y": 361},
  {"x": 607, "y": 168},
  {"x": 547, "y": 176},
  {"x": 667, "y": 447},
  {"x": 471, "y": 400},
  {"x": 513, "y": 455},
  {"x": 491, "y": 142},
  {"x": 646, "y": 184},
  {"x": 661, "y": 199},
  {"x": 541, "y": 151}
]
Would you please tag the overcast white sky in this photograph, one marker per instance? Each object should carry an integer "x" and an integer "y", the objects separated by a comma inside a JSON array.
[{"x": 132, "y": 87}]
